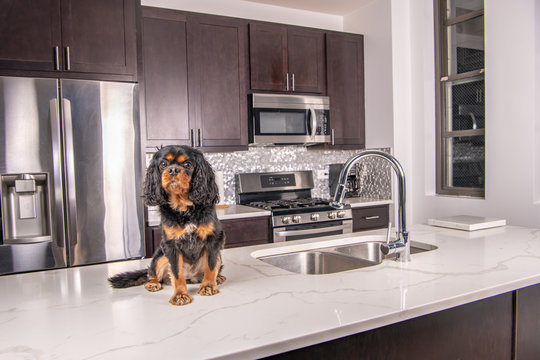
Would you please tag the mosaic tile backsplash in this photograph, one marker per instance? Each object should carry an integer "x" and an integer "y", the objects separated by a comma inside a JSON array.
[{"x": 376, "y": 180}]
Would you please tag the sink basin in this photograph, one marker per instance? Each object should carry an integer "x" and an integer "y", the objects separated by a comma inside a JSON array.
[
  {"x": 315, "y": 262},
  {"x": 328, "y": 260}
]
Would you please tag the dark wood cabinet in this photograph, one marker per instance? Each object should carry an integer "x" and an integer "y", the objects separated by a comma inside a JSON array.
[
  {"x": 218, "y": 71},
  {"x": 287, "y": 58},
  {"x": 345, "y": 87},
  {"x": 69, "y": 38},
  {"x": 371, "y": 217},
  {"x": 164, "y": 96},
  {"x": 238, "y": 232},
  {"x": 195, "y": 80},
  {"x": 247, "y": 231}
]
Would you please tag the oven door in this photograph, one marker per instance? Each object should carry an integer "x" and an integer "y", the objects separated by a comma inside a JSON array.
[{"x": 308, "y": 231}]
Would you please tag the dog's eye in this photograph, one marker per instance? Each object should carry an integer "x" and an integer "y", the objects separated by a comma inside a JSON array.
[
  {"x": 163, "y": 164},
  {"x": 187, "y": 165}
]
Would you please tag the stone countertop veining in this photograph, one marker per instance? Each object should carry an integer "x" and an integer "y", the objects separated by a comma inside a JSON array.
[{"x": 261, "y": 310}]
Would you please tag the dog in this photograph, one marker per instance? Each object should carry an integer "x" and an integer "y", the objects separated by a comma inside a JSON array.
[{"x": 181, "y": 182}]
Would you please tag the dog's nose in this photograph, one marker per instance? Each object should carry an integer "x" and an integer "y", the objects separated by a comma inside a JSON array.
[{"x": 173, "y": 171}]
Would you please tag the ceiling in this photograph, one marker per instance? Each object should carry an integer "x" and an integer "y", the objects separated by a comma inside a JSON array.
[{"x": 333, "y": 7}]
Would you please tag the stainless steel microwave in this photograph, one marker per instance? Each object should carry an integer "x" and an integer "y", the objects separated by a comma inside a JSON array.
[{"x": 289, "y": 119}]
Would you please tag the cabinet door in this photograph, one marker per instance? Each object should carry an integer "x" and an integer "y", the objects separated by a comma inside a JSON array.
[
  {"x": 29, "y": 34},
  {"x": 164, "y": 96},
  {"x": 247, "y": 231},
  {"x": 268, "y": 56},
  {"x": 345, "y": 86},
  {"x": 368, "y": 218},
  {"x": 306, "y": 60},
  {"x": 217, "y": 63},
  {"x": 99, "y": 36}
]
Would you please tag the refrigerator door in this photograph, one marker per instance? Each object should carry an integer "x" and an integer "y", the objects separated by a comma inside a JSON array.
[
  {"x": 31, "y": 207},
  {"x": 103, "y": 171}
]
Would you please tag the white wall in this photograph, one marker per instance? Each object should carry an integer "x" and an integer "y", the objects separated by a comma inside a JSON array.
[{"x": 250, "y": 10}]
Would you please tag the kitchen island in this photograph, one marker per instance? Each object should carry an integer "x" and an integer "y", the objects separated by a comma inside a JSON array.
[{"x": 261, "y": 310}]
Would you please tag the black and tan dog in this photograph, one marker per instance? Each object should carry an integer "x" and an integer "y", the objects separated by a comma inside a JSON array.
[{"x": 181, "y": 182}]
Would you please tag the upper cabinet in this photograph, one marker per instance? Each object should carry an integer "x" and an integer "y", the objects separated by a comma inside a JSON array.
[
  {"x": 286, "y": 58},
  {"x": 71, "y": 37},
  {"x": 345, "y": 87},
  {"x": 195, "y": 80}
]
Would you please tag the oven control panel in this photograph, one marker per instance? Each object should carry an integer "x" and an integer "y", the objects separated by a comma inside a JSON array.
[{"x": 314, "y": 217}]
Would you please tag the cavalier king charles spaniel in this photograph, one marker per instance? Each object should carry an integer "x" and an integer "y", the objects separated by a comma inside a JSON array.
[{"x": 181, "y": 182}]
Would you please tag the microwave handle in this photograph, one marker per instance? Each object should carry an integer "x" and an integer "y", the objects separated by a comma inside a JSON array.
[{"x": 313, "y": 122}]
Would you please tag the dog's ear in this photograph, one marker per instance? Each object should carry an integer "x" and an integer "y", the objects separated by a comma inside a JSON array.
[
  {"x": 204, "y": 190},
  {"x": 153, "y": 191}
]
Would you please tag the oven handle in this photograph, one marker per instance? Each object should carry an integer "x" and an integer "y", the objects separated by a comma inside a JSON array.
[{"x": 313, "y": 231}]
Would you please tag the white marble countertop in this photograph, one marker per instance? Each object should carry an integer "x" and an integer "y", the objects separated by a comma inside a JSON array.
[
  {"x": 235, "y": 211},
  {"x": 261, "y": 310},
  {"x": 359, "y": 202}
]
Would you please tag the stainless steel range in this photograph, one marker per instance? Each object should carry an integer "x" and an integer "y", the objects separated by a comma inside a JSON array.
[{"x": 295, "y": 214}]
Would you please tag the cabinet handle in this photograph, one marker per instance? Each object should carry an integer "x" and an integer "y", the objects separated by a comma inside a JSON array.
[
  {"x": 292, "y": 81},
  {"x": 68, "y": 60},
  {"x": 191, "y": 137},
  {"x": 56, "y": 58},
  {"x": 373, "y": 217},
  {"x": 332, "y": 137},
  {"x": 287, "y": 80},
  {"x": 199, "y": 136}
]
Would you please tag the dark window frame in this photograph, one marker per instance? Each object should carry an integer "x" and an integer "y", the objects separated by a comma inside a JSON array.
[{"x": 442, "y": 76}]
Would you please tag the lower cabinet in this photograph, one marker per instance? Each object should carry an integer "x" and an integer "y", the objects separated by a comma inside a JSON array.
[
  {"x": 247, "y": 231},
  {"x": 238, "y": 232},
  {"x": 505, "y": 326},
  {"x": 370, "y": 218}
]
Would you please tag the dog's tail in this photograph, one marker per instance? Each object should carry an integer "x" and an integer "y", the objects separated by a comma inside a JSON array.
[{"x": 129, "y": 279}]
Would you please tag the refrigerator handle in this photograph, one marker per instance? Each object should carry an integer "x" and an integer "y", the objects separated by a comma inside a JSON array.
[
  {"x": 58, "y": 205},
  {"x": 69, "y": 156}
]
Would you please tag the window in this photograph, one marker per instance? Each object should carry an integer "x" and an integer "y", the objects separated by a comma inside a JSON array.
[{"x": 459, "y": 46}]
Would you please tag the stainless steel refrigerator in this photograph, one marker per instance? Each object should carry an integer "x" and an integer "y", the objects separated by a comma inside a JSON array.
[{"x": 70, "y": 173}]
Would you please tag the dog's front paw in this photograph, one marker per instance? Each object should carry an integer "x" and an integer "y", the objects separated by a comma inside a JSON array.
[
  {"x": 153, "y": 285},
  {"x": 220, "y": 279},
  {"x": 208, "y": 289},
  {"x": 181, "y": 299}
]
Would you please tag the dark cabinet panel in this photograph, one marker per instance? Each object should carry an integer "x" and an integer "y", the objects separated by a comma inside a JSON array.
[
  {"x": 285, "y": 58},
  {"x": 30, "y": 34},
  {"x": 99, "y": 36},
  {"x": 528, "y": 323},
  {"x": 268, "y": 56},
  {"x": 372, "y": 217},
  {"x": 247, "y": 231},
  {"x": 218, "y": 81},
  {"x": 165, "y": 91},
  {"x": 69, "y": 38},
  {"x": 306, "y": 60},
  {"x": 195, "y": 80},
  {"x": 345, "y": 86}
]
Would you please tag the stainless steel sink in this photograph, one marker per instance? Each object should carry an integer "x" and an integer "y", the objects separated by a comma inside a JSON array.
[
  {"x": 330, "y": 260},
  {"x": 315, "y": 262}
]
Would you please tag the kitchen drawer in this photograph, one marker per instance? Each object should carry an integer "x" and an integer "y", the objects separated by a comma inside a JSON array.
[
  {"x": 247, "y": 231},
  {"x": 368, "y": 218}
]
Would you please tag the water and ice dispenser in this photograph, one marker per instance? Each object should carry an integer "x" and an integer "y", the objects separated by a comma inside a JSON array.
[{"x": 25, "y": 208}]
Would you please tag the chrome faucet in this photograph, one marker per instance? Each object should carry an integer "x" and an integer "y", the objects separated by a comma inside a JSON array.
[{"x": 401, "y": 245}]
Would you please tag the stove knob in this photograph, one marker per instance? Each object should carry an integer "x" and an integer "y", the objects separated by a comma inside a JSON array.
[
  {"x": 341, "y": 214},
  {"x": 314, "y": 217},
  {"x": 296, "y": 219},
  {"x": 332, "y": 215},
  {"x": 286, "y": 219}
]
